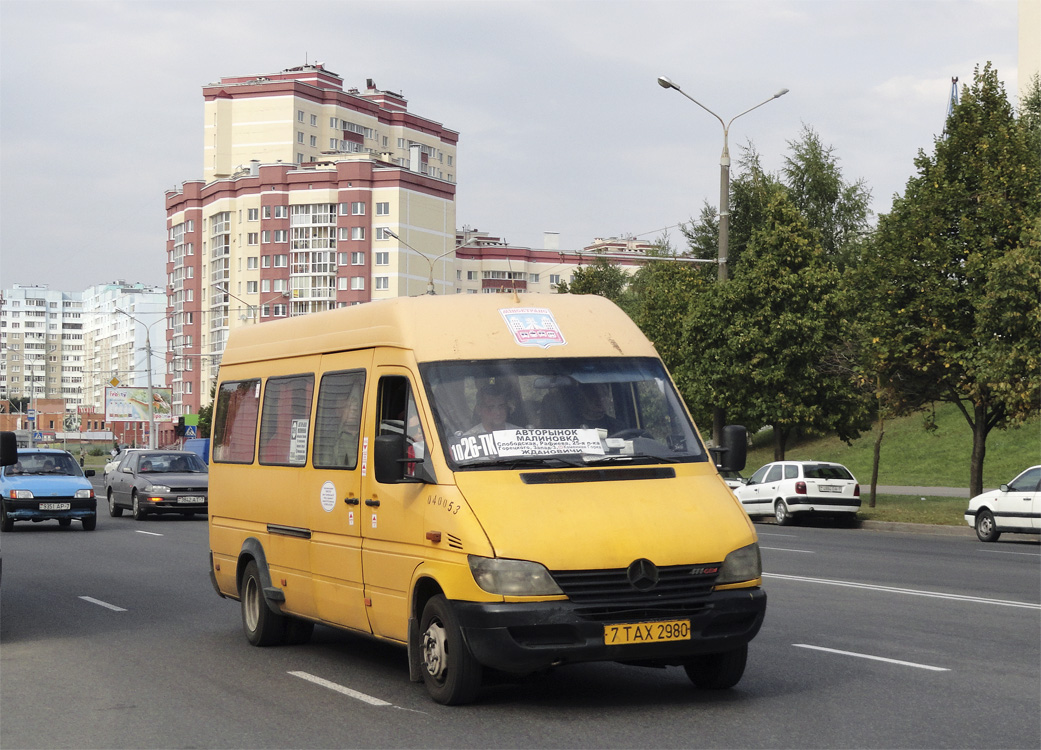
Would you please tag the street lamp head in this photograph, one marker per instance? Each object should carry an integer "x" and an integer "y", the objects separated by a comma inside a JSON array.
[
  {"x": 780, "y": 93},
  {"x": 667, "y": 83},
  {"x": 387, "y": 231}
]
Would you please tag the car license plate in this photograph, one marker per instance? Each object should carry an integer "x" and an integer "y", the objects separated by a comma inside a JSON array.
[
  {"x": 646, "y": 632},
  {"x": 829, "y": 488},
  {"x": 192, "y": 499},
  {"x": 55, "y": 506}
]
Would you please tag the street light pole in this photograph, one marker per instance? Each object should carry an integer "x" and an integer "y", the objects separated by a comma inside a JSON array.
[
  {"x": 430, "y": 263},
  {"x": 724, "y": 170},
  {"x": 148, "y": 369}
]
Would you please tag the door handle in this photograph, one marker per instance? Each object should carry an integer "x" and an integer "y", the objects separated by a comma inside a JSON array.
[
  {"x": 351, "y": 500},
  {"x": 373, "y": 503}
]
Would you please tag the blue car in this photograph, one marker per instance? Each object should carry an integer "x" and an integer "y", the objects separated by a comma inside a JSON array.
[{"x": 45, "y": 484}]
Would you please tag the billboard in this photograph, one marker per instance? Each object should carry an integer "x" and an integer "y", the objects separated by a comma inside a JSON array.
[{"x": 131, "y": 404}]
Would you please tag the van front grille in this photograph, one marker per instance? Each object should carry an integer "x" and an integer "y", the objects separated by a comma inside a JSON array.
[{"x": 609, "y": 594}]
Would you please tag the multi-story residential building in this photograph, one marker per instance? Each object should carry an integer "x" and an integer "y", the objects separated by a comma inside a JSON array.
[
  {"x": 122, "y": 321},
  {"x": 41, "y": 344},
  {"x": 313, "y": 197}
]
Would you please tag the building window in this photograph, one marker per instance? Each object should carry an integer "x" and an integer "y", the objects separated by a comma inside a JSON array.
[
  {"x": 266, "y": 236},
  {"x": 341, "y": 259},
  {"x": 267, "y": 212},
  {"x": 279, "y": 311},
  {"x": 345, "y": 233},
  {"x": 381, "y": 233},
  {"x": 281, "y": 261},
  {"x": 252, "y": 214},
  {"x": 251, "y": 287},
  {"x": 300, "y": 115},
  {"x": 383, "y": 209},
  {"x": 341, "y": 283},
  {"x": 471, "y": 275},
  {"x": 357, "y": 259},
  {"x": 314, "y": 141},
  {"x": 382, "y": 258},
  {"x": 382, "y": 282},
  {"x": 252, "y": 238},
  {"x": 358, "y": 208},
  {"x": 299, "y": 136},
  {"x": 357, "y": 283},
  {"x": 265, "y": 285},
  {"x": 281, "y": 235},
  {"x": 265, "y": 261},
  {"x": 314, "y": 121},
  {"x": 281, "y": 212},
  {"x": 554, "y": 278},
  {"x": 357, "y": 233},
  {"x": 251, "y": 263}
]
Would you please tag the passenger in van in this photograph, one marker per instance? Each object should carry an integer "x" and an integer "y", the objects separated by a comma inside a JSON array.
[
  {"x": 592, "y": 413},
  {"x": 492, "y": 410},
  {"x": 343, "y": 451}
]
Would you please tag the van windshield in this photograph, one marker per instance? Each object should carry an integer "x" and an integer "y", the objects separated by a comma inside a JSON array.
[{"x": 558, "y": 412}]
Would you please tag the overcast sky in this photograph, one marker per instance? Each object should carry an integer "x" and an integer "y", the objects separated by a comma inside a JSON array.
[{"x": 562, "y": 125}]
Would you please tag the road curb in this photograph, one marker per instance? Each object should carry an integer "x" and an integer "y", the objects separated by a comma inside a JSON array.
[{"x": 918, "y": 528}]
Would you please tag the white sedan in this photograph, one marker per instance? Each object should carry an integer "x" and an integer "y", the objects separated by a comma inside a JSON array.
[
  {"x": 1014, "y": 508},
  {"x": 785, "y": 489}
]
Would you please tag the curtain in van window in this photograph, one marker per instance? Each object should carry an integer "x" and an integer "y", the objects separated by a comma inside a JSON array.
[
  {"x": 338, "y": 420},
  {"x": 285, "y": 420},
  {"x": 235, "y": 421}
]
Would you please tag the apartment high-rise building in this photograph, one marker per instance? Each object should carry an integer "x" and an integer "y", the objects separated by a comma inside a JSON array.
[
  {"x": 313, "y": 197},
  {"x": 41, "y": 344}
]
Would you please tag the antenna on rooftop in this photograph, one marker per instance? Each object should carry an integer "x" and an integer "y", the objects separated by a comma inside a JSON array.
[{"x": 952, "y": 102}]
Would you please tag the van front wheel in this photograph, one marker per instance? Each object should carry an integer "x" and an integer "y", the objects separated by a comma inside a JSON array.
[
  {"x": 718, "y": 671},
  {"x": 263, "y": 627},
  {"x": 451, "y": 674}
]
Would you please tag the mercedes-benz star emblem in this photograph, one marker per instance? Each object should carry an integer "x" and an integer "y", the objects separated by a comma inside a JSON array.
[{"x": 643, "y": 574}]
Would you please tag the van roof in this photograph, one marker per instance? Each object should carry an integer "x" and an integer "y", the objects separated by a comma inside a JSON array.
[{"x": 456, "y": 327}]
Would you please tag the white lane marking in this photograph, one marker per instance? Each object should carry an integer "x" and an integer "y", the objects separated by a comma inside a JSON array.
[
  {"x": 873, "y": 658},
  {"x": 910, "y": 592},
  {"x": 785, "y": 549},
  {"x": 1006, "y": 552},
  {"x": 341, "y": 689},
  {"x": 100, "y": 603},
  {"x": 150, "y": 533}
]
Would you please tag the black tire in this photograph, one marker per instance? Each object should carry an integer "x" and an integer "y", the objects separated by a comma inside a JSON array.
[
  {"x": 986, "y": 528},
  {"x": 718, "y": 671},
  {"x": 263, "y": 627},
  {"x": 138, "y": 512},
  {"x": 113, "y": 510},
  {"x": 90, "y": 522},
  {"x": 451, "y": 674},
  {"x": 6, "y": 522},
  {"x": 782, "y": 514}
]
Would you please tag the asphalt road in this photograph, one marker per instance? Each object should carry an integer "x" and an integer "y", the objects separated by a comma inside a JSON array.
[{"x": 115, "y": 639}]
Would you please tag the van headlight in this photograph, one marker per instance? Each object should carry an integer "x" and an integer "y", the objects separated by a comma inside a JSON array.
[
  {"x": 743, "y": 564},
  {"x": 512, "y": 577}
]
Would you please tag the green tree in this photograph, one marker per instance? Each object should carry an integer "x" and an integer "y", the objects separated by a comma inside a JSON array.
[
  {"x": 600, "y": 277},
  {"x": 952, "y": 272},
  {"x": 768, "y": 345}
]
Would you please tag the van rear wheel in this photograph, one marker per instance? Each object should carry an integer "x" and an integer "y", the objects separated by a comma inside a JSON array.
[
  {"x": 451, "y": 674},
  {"x": 263, "y": 627},
  {"x": 718, "y": 671}
]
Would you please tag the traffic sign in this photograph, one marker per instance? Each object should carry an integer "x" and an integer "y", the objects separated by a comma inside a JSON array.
[
  {"x": 37, "y": 436},
  {"x": 190, "y": 431}
]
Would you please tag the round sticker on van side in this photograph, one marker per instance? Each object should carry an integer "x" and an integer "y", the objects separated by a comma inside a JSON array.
[{"x": 328, "y": 497}]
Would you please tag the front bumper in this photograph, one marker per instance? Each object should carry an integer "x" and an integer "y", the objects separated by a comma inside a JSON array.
[
  {"x": 169, "y": 503},
  {"x": 521, "y": 638},
  {"x": 29, "y": 510}
]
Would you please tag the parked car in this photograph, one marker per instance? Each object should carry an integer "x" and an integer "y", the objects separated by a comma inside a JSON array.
[
  {"x": 46, "y": 484},
  {"x": 1014, "y": 507},
  {"x": 148, "y": 482},
  {"x": 732, "y": 478},
  {"x": 786, "y": 489},
  {"x": 115, "y": 461}
]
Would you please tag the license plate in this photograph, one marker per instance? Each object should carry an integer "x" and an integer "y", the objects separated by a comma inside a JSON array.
[
  {"x": 192, "y": 499},
  {"x": 646, "y": 632},
  {"x": 829, "y": 488},
  {"x": 55, "y": 506}
]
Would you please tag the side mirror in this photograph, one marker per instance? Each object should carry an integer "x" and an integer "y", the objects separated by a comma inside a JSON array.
[
  {"x": 89, "y": 473},
  {"x": 734, "y": 448},
  {"x": 8, "y": 449},
  {"x": 393, "y": 464}
]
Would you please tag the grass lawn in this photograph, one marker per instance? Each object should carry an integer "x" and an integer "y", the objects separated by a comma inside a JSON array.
[{"x": 943, "y": 511}]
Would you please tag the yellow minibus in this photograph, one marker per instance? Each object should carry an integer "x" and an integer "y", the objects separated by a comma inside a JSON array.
[{"x": 500, "y": 483}]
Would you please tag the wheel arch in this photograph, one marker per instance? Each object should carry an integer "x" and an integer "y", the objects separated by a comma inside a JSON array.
[{"x": 253, "y": 550}]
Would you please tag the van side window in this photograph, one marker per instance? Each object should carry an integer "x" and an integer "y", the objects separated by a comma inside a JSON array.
[
  {"x": 235, "y": 421},
  {"x": 397, "y": 414},
  {"x": 285, "y": 420},
  {"x": 338, "y": 420}
]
